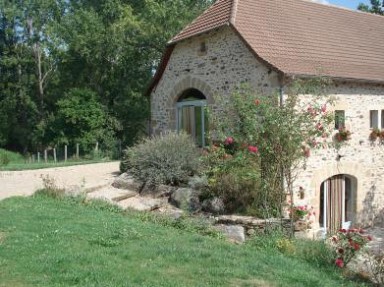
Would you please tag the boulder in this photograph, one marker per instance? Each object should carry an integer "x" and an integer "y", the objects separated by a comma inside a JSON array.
[
  {"x": 140, "y": 203},
  {"x": 127, "y": 182},
  {"x": 235, "y": 233},
  {"x": 186, "y": 198},
  {"x": 213, "y": 205},
  {"x": 157, "y": 191}
]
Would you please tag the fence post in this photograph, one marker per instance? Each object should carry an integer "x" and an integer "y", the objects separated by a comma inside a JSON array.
[
  {"x": 45, "y": 156},
  {"x": 65, "y": 153},
  {"x": 54, "y": 155},
  {"x": 38, "y": 157},
  {"x": 77, "y": 151}
]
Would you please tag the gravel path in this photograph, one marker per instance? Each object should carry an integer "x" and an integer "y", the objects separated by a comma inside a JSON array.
[{"x": 25, "y": 183}]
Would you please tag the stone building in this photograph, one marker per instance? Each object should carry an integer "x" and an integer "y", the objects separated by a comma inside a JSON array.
[{"x": 267, "y": 43}]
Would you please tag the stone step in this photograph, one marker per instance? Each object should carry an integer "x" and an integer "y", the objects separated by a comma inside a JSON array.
[
  {"x": 111, "y": 194},
  {"x": 142, "y": 203}
]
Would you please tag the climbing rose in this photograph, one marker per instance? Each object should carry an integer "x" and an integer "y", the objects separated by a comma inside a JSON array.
[
  {"x": 339, "y": 263},
  {"x": 229, "y": 141},
  {"x": 253, "y": 149}
]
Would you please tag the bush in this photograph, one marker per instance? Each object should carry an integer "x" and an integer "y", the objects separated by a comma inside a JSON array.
[
  {"x": 233, "y": 176},
  {"x": 7, "y": 157},
  {"x": 316, "y": 252},
  {"x": 50, "y": 189},
  {"x": 166, "y": 159}
]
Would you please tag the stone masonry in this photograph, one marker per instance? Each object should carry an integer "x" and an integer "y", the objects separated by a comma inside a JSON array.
[{"x": 227, "y": 63}]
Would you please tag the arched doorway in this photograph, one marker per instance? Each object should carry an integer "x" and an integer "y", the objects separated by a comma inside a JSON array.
[
  {"x": 191, "y": 115},
  {"x": 337, "y": 202}
]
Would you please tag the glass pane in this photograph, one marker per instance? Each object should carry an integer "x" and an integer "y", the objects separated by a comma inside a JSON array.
[
  {"x": 374, "y": 119},
  {"x": 382, "y": 119},
  {"x": 339, "y": 119},
  {"x": 187, "y": 120}
]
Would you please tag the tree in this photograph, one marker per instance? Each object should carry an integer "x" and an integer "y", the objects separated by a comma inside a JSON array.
[{"x": 377, "y": 7}]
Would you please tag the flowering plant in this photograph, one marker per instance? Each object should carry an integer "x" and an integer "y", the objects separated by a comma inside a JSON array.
[
  {"x": 346, "y": 243},
  {"x": 301, "y": 212},
  {"x": 343, "y": 135}
]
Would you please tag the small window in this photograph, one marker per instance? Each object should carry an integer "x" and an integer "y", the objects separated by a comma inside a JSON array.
[
  {"x": 382, "y": 119},
  {"x": 374, "y": 119},
  {"x": 339, "y": 119}
]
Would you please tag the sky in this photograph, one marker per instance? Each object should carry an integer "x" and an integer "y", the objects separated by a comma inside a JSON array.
[{"x": 351, "y": 4}]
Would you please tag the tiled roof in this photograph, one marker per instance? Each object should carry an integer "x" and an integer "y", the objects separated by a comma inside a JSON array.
[{"x": 303, "y": 38}]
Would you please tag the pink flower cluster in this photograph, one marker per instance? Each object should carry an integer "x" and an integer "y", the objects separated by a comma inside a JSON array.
[{"x": 347, "y": 243}]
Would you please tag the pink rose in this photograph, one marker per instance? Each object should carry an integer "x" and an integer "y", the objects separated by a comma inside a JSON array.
[
  {"x": 339, "y": 263},
  {"x": 253, "y": 149},
  {"x": 229, "y": 141}
]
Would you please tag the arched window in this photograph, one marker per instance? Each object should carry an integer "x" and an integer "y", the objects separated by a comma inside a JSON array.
[{"x": 191, "y": 115}]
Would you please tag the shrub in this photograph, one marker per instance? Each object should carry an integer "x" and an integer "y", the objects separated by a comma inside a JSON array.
[
  {"x": 376, "y": 266},
  {"x": 233, "y": 176},
  {"x": 7, "y": 157},
  {"x": 346, "y": 243},
  {"x": 316, "y": 252},
  {"x": 166, "y": 159},
  {"x": 50, "y": 189}
]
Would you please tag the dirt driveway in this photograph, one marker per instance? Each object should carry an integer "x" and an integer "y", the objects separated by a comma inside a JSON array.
[{"x": 24, "y": 183}]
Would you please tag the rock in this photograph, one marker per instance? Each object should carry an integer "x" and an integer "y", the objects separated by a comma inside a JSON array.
[
  {"x": 111, "y": 194},
  {"x": 198, "y": 182},
  {"x": 140, "y": 203},
  {"x": 235, "y": 233},
  {"x": 213, "y": 205},
  {"x": 127, "y": 182},
  {"x": 171, "y": 211},
  {"x": 158, "y": 191},
  {"x": 186, "y": 198}
]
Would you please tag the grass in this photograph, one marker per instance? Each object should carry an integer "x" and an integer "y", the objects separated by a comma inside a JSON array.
[
  {"x": 67, "y": 242},
  {"x": 11, "y": 161},
  {"x": 41, "y": 165}
]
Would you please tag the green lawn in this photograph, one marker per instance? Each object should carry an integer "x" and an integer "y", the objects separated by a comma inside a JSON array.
[
  {"x": 48, "y": 242},
  {"x": 18, "y": 166}
]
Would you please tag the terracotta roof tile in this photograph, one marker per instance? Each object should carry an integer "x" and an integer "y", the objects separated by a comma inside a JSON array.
[
  {"x": 216, "y": 16},
  {"x": 299, "y": 37}
]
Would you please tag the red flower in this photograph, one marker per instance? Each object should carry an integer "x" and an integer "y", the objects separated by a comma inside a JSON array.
[
  {"x": 324, "y": 108},
  {"x": 339, "y": 263},
  {"x": 369, "y": 237},
  {"x": 253, "y": 149},
  {"x": 257, "y": 102},
  {"x": 229, "y": 141}
]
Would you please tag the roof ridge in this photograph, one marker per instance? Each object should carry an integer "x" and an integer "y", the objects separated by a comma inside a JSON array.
[{"x": 232, "y": 18}]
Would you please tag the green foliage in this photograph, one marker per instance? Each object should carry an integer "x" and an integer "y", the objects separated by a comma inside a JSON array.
[
  {"x": 82, "y": 119},
  {"x": 109, "y": 48},
  {"x": 7, "y": 157},
  {"x": 281, "y": 134},
  {"x": 50, "y": 188},
  {"x": 166, "y": 159},
  {"x": 347, "y": 243},
  {"x": 234, "y": 176},
  {"x": 376, "y": 7},
  {"x": 316, "y": 252}
]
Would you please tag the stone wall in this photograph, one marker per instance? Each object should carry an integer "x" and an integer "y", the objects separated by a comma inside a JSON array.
[
  {"x": 226, "y": 64},
  {"x": 359, "y": 157}
]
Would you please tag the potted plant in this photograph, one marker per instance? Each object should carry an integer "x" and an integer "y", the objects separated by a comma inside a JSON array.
[
  {"x": 375, "y": 133},
  {"x": 343, "y": 135}
]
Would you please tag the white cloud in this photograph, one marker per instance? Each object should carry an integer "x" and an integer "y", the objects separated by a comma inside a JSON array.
[{"x": 321, "y": 1}]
